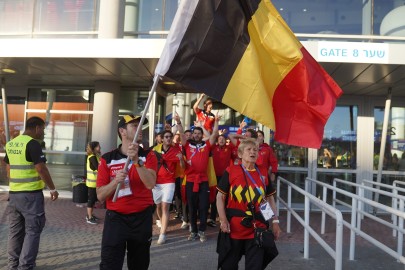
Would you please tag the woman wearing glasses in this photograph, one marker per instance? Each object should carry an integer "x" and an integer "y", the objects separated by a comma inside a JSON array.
[{"x": 168, "y": 155}]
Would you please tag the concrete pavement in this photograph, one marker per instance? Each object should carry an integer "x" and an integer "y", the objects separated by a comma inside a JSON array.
[{"x": 68, "y": 242}]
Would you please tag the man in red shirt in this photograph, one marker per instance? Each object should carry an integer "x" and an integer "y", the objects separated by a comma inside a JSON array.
[
  {"x": 222, "y": 157},
  {"x": 266, "y": 157},
  {"x": 197, "y": 153},
  {"x": 205, "y": 116},
  {"x": 168, "y": 155},
  {"x": 128, "y": 221}
]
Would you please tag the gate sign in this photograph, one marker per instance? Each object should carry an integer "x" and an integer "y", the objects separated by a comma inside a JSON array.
[{"x": 353, "y": 52}]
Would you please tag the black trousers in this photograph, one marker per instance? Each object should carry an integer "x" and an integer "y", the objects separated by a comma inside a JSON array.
[
  {"x": 213, "y": 205},
  {"x": 253, "y": 255},
  {"x": 131, "y": 233},
  {"x": 198, "y": 201}
]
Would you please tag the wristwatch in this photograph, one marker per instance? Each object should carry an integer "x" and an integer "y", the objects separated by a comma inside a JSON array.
[{"x": 140, "y": 162}]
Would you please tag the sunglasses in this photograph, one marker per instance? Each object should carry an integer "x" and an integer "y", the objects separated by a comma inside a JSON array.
[{"x": 168, "y": 137}]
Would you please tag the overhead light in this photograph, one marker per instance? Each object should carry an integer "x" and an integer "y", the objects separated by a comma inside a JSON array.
[
  {"x": 85, "y": 95},
  {"x": 8, "y": 70},
  {"x": 281, "y": 9},
  {"x": 169, "y": 83}
]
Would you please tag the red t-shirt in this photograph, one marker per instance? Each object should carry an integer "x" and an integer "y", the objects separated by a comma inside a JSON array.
[
  {"x": 141, "y": 197},
  {"x": 235, "y": 157},
  {"x": 167, "y": 170},
  {"x": 222, "y": 157},
  {"x": 207, "y": 117},
  {"x": 266, "y": 158},
  {"x": 198, "y": 155},
  {"x": 233, "y": 185}
]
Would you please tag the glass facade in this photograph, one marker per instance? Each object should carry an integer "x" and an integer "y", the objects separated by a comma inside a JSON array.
[
  {"x": 394, "y": 154},
  {"x": 47, "y": 18},
  {"x": 338, "y": 148},
  {"x": 335, "y": 16}
]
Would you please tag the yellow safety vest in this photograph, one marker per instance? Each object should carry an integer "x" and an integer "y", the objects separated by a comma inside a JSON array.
[
  {"x": 91, "y": 175},
  {"x": 23, "y": 175}
]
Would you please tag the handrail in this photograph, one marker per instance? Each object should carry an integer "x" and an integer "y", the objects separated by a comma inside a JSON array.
[
  {"x": 355, "y": 228},
  {"x": 394, "y": 200},
  {"x": 335, "y": 254}
]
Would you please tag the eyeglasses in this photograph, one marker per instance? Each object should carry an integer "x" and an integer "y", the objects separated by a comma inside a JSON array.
[{"x": 167, "y": 137}]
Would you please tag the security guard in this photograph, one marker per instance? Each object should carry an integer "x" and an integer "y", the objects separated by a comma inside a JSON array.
[
  {"x": 28, "y": 175},
  {"x": 93, "y": 159}
]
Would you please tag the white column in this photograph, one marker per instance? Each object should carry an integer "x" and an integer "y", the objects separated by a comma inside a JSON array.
[
  {"x": 187, "y": 110},
  {"x": 111, "y": 19},
  {"x": 105, "y": 114},
  {"x": 365, "y": 150},
  {"x": 131, "y": 17}
]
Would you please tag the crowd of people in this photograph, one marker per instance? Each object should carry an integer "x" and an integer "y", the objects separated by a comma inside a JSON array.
[{"x": 204, "y": 171}]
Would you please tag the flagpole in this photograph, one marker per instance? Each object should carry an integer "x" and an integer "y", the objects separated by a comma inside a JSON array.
[
  {"x": 151, "y": 93},
  {"x": 382, "y": 146}
]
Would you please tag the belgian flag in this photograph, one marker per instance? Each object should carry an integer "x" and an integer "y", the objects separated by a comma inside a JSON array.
[{"x": 242, "y": 53}]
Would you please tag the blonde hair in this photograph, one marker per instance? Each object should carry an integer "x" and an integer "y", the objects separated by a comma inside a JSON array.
[{"x": 246, "y": 142}]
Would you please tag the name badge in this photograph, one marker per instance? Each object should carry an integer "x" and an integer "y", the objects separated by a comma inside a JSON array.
[
  {"x": 125, "y": 189},
  {"x": 266, "y": 210}
]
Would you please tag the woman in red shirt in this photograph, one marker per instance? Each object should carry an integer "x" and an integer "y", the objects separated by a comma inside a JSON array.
[{"x": 241, "y": 186}]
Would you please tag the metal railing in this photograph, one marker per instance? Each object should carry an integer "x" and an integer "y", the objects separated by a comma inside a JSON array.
[
  {"x": 395, "y": 190},
  {"x": 325, "y": 208},
  {"x": 357, "y": 211},
  {"x": 394, "y": 197}
]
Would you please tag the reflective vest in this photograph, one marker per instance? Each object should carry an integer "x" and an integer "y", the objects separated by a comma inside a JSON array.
[
  {"x": 91, "y": 175},
  {"x": 23, "y": 175}
]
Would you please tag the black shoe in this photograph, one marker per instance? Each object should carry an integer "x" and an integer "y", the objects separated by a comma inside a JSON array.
[{"x": 211, "y": 223}]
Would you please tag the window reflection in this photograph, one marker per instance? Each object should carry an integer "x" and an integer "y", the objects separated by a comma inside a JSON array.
[
  {"x": 16, "y": 16},
  {"x": 65, "y": 15},
  {"x": 15, "y": 107},
  {"x": 394, "y": 154},
  {"x": 291, "y": 156},
  {"x": 333, "y": 16},
  {"x": 338, "y": 148}
]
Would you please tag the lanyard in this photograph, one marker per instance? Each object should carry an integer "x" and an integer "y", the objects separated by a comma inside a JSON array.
[
  {"x": 195, "y": 152},
  {"x": 253, "y": 181}
]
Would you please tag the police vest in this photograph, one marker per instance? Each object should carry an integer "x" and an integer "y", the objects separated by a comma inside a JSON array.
[
  {"x": 91, "y": 175},
  {"x": 23, "y": 175}
]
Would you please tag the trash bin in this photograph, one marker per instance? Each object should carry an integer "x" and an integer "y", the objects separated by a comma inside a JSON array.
[{"x": 79, "y": 189}]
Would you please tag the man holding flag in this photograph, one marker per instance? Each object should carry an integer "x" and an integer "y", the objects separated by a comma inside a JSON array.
[{"x": 128, "y": 220}]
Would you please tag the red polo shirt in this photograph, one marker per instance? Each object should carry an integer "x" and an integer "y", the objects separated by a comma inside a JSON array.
[{"x": 141, "y": 197}]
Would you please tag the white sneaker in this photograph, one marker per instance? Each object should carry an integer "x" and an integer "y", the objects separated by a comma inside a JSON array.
[
  {"x": 202, "y": 236},
  {"x": 184, "y": 225},
  {"x": 159, "y": 223},
  {"x": 162, "y": 239}
]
